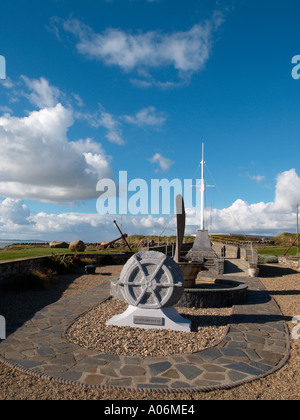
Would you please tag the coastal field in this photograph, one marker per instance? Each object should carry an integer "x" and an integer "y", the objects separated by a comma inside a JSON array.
[
  {"x": 277, "y": 245},
  {"x": 35, "y": 251}
]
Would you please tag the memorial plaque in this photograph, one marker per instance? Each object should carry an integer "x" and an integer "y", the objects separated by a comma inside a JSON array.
[{"x": 148, "y": 320}]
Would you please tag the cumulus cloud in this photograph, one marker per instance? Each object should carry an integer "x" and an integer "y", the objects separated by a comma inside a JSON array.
[
  {"x": 240, "y": 217},
  {"x": 42, "y": 94},
  {"x": 260, "y": 217},
  {"x": 14, "y": 212},
  {"x": 185, "y": 51},
  {"x": 287, "y": 194},
  {"x": 101, "y": 118},
  {"x": 39, "y": 163},
  {"x": 163, "y": 162},
  {"x": 147, "y": 117}
]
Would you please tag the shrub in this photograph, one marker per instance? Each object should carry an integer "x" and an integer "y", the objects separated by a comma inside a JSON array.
[
  {"x": 267, "y": 259},
  {"x": 61, "y": 263},
  {"x": 88, "y": 261}
]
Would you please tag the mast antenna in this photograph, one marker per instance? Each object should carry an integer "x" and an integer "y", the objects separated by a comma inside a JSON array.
[{"x": 202, "y": 189}]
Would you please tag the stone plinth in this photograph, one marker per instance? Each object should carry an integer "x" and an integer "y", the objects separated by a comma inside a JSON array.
[
  {"x": 164, "y": 318},
  {"x": 202, "y": 247},
  {"x": 202, "y": 251}
]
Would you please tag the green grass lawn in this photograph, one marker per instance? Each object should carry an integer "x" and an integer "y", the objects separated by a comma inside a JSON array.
[
  {"x": 276, "y": 250},
  {"x": 7, "y": 255},
  {"x": 30, "y": 252}
]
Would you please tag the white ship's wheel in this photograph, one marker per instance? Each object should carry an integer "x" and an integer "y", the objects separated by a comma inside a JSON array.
[{"x": 151, "y": 280}]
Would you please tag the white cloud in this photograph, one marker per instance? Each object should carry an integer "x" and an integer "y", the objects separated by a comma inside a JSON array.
[
  {"x": 42, "y": 94},
  {"x": 38, "y": 162},
  {"x": 8, "y": 83},
  {"x": 14, "y": 212},
  {"x": 287, "y": 191},
  {"x": 259, "y": 217},
  {"x": 186, "y": 51},
  {"x": 104, "y": 119},
  {"x": 114, "y": 134},
  {"x": 164, "y": 163},
  {"x": 147, "y": 117},
  {"x": 152, "y": 82},
  {"x": 257, "y": 178},
  {"x": 241, "y": 217}
]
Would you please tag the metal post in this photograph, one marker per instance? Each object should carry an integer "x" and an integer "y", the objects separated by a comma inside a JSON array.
[
  {"x": 202, "y": 189},
  {"x": 297, "y": 215}
]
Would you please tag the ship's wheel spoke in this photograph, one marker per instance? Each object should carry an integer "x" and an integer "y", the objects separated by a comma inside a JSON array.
[
  {"x": 139, "y": 299},
  {"x": 155, "y": 297}
]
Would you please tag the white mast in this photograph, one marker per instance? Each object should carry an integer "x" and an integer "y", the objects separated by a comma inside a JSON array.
[{"x": 202, "y": 189}]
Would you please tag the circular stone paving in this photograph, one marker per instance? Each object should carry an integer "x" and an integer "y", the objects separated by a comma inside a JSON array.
[{"x": 256, "y": 345}]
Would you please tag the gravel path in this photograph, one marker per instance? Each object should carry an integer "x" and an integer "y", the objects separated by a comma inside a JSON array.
[
  {"x": 90, "y": 331},
  {"x": 283, "y": 285}
]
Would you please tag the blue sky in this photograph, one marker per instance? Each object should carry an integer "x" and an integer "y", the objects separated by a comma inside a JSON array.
[{"x": 96, "y": 87}]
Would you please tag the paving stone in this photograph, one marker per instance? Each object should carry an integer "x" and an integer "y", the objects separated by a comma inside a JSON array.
[
  {"x": 210, "y": 354},
  {"x": 94, "y": 379},
  {"x": 233, "y": 352},
  {"x": 172, "y": 373},
  {"x": 237, "y": 345},
  {"x": 156, "y": 380},
  {"x": 30, "y": 364},
  {"x": 213, "y": 368},
  {"x": 189, "y": 371},
  {"x": 29, "y": 353},
  {"x": 217, "y": 377},
  {"x": 45, "y": 352},
  {"x": 157, "y": 368},
  {"x": 108, "y": 357},
  {"x": 133, "y": 370},
  {"x": 252, "y": 354},
  {"x": 64, "y": 359},
  {"x": 180, "y": 384},
  {"x": 119, "y": 382},
  {"x": 54, "y": 369},
  {"x": 245, "y": 368},
  {"x": 204, "y": 383},
  {"x": 261, "y": 366},
  {"x": 235, "y": 376},
  {"x": 70, "y": 376},
  {"x": 132, "y": 360},
  {"x": 270, "y": 357},
  {"x": 108, "y": 371},
  {"x": 255, "y": 339}
]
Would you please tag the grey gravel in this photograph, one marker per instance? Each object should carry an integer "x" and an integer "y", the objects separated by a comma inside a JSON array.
[{"x": 90, "y": 331}]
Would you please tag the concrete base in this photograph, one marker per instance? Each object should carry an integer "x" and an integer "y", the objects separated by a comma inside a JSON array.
[{"x": 163, "y": 319}]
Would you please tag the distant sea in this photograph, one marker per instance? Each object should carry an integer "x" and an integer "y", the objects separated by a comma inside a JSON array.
[{"x": 7, "y": 242}]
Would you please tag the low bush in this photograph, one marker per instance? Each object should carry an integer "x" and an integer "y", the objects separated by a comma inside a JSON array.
[
  {"x": 267, "y": 259},
  {"x": 62, "y": 264},
  {"x": 88, "y": 261}
]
